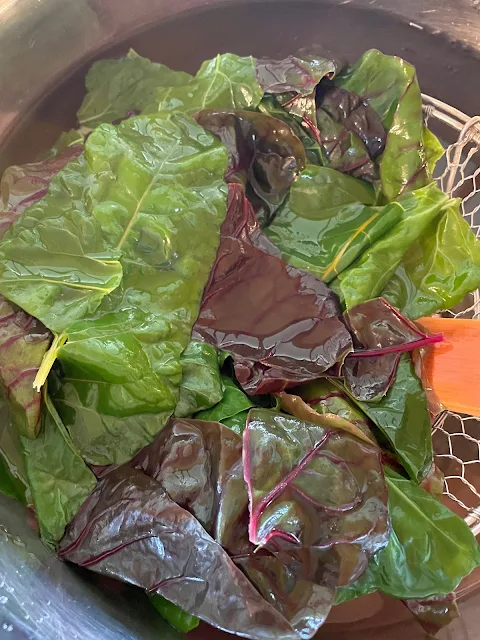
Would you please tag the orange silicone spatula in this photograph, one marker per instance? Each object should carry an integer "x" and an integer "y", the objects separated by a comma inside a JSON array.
[{"x": 452, "y": 367}]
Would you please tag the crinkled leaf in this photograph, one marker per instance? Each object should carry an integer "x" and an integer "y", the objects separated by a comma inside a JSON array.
[
  {"x": 115, "y": 87},
  {"x": 344, "y": 149},
  {"x": 314, "y": 152},
  {"x": 323, "y": 396},
  {"x": 312, "y": 486},
  {"x": 326, "y": 223},
  {"x": 232, "y": 409},
  {"x": 23, "y": 339},
  {"x": 380, "y": 335},
  {"x": 227, "y": 81},
  {"x": 434, "y": 613},
  {"x": 402, "y": 415},
  {"x": 131, "y": 530},
  {"x": 299, "y": 74},
  {"x": 440, "y": 268},
  {"x": 265, "y": 155},
  {"x": 430, "y": 550},
  {"x": 367, "y": 277},
  {"x": 155, "y": 197},
  {"x": 355, "y": 114},
  {"x": 57, "y": 476},
  {"x": 23, "y": 343},
  {"x": 289, "y": 332},
  {"x": 390, "y": 86},
  {"x": 22, "y": 186},
  {"x": 201, "y": 386}
]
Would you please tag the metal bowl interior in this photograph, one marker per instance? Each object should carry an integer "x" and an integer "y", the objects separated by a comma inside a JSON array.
[{"x": 45, "y": 48}]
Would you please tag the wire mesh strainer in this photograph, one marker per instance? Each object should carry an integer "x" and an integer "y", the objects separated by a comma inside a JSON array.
[{"x": 456, "y": 437}]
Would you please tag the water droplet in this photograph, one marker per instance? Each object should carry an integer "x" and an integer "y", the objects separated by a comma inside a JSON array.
[
  {"x": 18, "y": 541},
  {"x": 48, "y": 602},
  {"x": 40, "y": 620},
  {"x": 27, "y": 616},
  {"x": 3, "y": 599},
  {"x": 9, "y": 589}
]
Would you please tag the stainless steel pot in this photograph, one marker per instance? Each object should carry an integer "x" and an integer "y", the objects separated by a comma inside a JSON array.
[{"x": 45, "y": 47}]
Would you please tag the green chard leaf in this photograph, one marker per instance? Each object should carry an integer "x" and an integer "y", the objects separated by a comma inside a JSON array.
[
  {"x": 227, "y": 81},
  {"x": 149, "y": 195},
  {"x": 434, "y": 149},
  {"x": 403, "y": 417},
  {"x": 390, "y": 86},
  {"x": 430, "y": 549},
  {"x": 324, "y": 227},
  {"x": 368, "y": 275},
  {"x": 117, "y": 87},
  {"x": 201, "y": 386},
  {"x": 233, "y": 408},
  {"x": 59, "y": 479},
  {"x": 440, "y": 268}
]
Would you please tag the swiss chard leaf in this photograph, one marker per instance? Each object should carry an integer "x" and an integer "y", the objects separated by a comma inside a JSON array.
[
  {"x": 155, "y": 197},
  {"x": 311, "y": 486},
  {"x": 23, "y": 340},
  {"x": 314, "y": 152},
  {"x": 356, "y": 115},
  {"x": 382, "y": 334},
  {"x": 265, "y": 155},
  {"x": 191, "y": 571},
  {"x": 344, "y": 149},
  {"x": 440, "y": 268},
  {"x": 297, "y": 74},
  {"x": 232, "y": 409},
  {"x": 267, "y": 356},
  {"x": 430, "y": 550},
  {"x": 326, "y": 223},
  {"x": 324, "y": 397},
  {"x": 58, "y": 478},
  {"x": 367, "y": 277},
  {"x": 402, "y": 415},
  {"x": 201, "y": 386},
  {"x": 227, "y": 81},
  {"x": 434, "y": 613},
  {"x": 390, "y": 86},
  {"x": 115, "y": 87}
]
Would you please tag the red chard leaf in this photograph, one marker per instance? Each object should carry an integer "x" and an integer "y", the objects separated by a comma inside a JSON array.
[
  {"x": 312, "y": 487},
  {"x": 382, "y": 334},
  {"x": 264, "y": 153},
  {"x": 434, "y": 613},
  {"x": 290, "y": 332},
  {"x": 296, "y": 74}
]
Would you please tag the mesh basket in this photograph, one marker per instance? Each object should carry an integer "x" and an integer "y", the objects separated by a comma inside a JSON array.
[{"x": 456, "y": 437}]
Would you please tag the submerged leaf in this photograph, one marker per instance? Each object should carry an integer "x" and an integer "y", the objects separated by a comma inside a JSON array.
[
  {"x": 57, "y": 476},
  {"x": 326, "y": 223},
  {"x": 312, "y": 486},
  {"x": 434, "y": 613},
  {"x": 367, "y": 277},
  {"x": 264, "y": 153},
  {"x": 151, "y": 193},
  {"x": 289, "y": 332},
  {"x": 430, "y": 550},
  {"x": 440, "y": 268}
]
